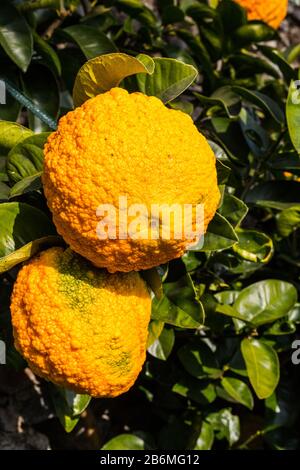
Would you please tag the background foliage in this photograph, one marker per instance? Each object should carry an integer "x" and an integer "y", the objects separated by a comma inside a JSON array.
[{"x": 218, "y": 372}]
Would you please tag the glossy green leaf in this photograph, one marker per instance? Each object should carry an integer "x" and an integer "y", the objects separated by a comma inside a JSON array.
[
  {"x": 125, "y": 442},
  {"x": 91, "y": 41},
  {"x": 254, "y": 246},
  {"x": 199, "y": 361},
  {"x": 153, "y": 280},
  {"x": 293, "y": 113},
  {"x": 233, "y": 209},
  {"x": 274, "y": 193},
  {"x": 47, "y": 53},
  {"x": 154, "y": 330},
  {"x": 220, "y": 235},
  {"x": 21, "y": 224},
  {"x": 27, "y": 251},
  {"x": 206, "y": 437},
  {"x": 107, "y": 71},
  {"x": 26, "y": 158},
  {"x": 262, "y": 101},
  {"x": 238, "y": 390},
  {"x": 225, "y": 424},
  {"x": 265, "y": 301},
  {"x": 15, "y": 35},
  {"x": 169, "y": 79},
  {"x": 163, "y": 345},
  {"x": 253, "y": 32},
  {"x": 200, "y": 391},
  {"x": 11, "y": 134},
  {"x": 68, "y": 406},
  {"x": 262, "y": 366},
  {"x": 41, "y": 87}
]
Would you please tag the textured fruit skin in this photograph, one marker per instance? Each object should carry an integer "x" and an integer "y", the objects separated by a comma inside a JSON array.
[
  {"x": 121, "y": 144},
  {"x": 271, "y": 12},
  {"x": 78, "y": 326}
]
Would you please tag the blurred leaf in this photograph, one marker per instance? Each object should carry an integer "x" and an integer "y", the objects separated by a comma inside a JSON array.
[
  {"x": 125, "y": 442},
  {"x": 205, "y": 439},
  {"x": 21, "y": 224},
  {"x": 232, "y": 14},
  {"x": 10, "y": 110},
  {"x": 293, "y": 113},
  {"x": 277, "y": 58},
  {"x": 11, "y": 134},
  {"x": 238, "y": 390},
  {"x": 15, "y": 35},
  {"x": 288, "y": 220},
  {"x": 265, "y": 301},
  {"x": 225, "y": 424},
  {"x": 254, "y": 246},
  {"x": 27, "y": 251},
  {"x": 153, "y": 280},
  {"x": 26, "y": 158},
  {"x": 199, "y": 361},
  {"x": 253, "y": 32},
  {"x": 4, "y": 191},
  {"x": 163, "y": 345},
  {"x": 105, "y": 72},
  {"x": 169, "y": 79},
  {"x": 91, "y": 41},
  {"x": 262, "y": 365}
]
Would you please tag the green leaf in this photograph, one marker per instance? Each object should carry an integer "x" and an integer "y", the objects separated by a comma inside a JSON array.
[
  {"x": 41, "y": 87},
  {"x": 10, "y": 110},
  {"x": 288, "y": 220},
  {"x": 293, "y": 114},
  {"x": 153, "y": 280},
  {"x": 254, "y": 246},
  {"x": 274, "y": 193},
  {"x": 21, "y": 224},
  {"x": 26, "y": 185},
  {"x": 199, "y": 361},
  {"x": 262, "y": 366},
  {"x": 170, "y": 78},
  {"x": 265, "y": 301},
  {"x": 206, "y": 437},
  {"x": 239, "y": 391},
  {"x": 68, "y": 406},
  {"x": 225, "y": 424},
  {"x": 233, "y": 209},
  {"x": 179, "y": 305},
  {"x": 27, "y": 251},
  {"x": 232, "y": 14},
  {"x": 15, "y": 35},
  {"x": 26, "y": 158},
  {"x": 262, "y": 101},
  {"x": 4, "y": 191},
  {"x": 125, "y": 442},
  {"x": 102, "y": 73},
  {"x": 220, "y": 235},
  {"x": 162, "y": 346},
  {"x": 253, "y": 32},
  {"x": 200, "y": 391},
  {"x": 154, "y": 330},
  {"x": 91, "y": 41},
  {"x": 11, "y": 134},
  {"x": 47, "y": 53},
  {"x": 224, "y": 98},
  {"x": 277, "y": 58}
]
